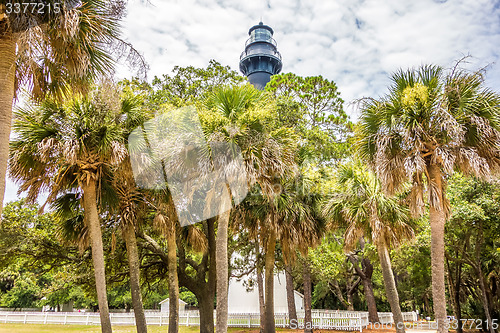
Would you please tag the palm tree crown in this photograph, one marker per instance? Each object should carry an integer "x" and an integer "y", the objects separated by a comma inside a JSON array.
[
  {"x": 429, "y": 117},
  {"x": 430, "y": 124},
  {"x": 60, "y": 146},
  {"x": 359, "y": 204}
]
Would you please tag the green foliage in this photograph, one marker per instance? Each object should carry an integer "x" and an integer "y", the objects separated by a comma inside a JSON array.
[
  {"x": 312, "y": 105},
  {"x": 472, "y": 238},
  {"x": 189, "y": 84},
  {"x": 289, "y": 136},
  {"x": 24, "y": 294},
  {"x": 412, "y": 268},
  {"x": 34, "y": 263},
  {"x": 188, "y": 297},
  {"x": 328, "y": 259}
]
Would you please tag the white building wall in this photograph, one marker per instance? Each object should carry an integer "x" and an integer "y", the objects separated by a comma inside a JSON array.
[
  {"x": 299, "y": 300},
  {"x": 242, "y": 301}
]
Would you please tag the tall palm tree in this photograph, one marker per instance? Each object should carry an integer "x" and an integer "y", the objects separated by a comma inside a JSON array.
[
  {"x": 360, "y": 205},
  {"x": 230, "y": 102},
  {"x": 430, "y": 124},
  {"x": 131, "y": 206},
  {"x": 53, "y": 48},
  {"x": 285, "y": 219},
  {"x": 130, "y": 201},
  {"x": 165, "y": 221},
  {"x": 301, "y": 231},
  {"x": 71, "y": 147},
  {"x": 265, "y": 154}
]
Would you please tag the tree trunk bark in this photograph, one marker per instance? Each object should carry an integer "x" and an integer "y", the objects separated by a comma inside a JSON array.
[
  {"x": 94, "y": 225},
  {"x": 173, "y": 279},
  {"x": 290, "y": 294},
  {"x": 269, "y": 277},
  {"x": 479, "y": 271},
  {"x": 262, "y": 304},
  {"x": 390, "y": 285},
  {"x": 260, "y": 285},
  {"x": 350, "y": 302},
  {"x": 458, "y": 312},
  {"x": 135, "y": 285},
  {"x": 437, "y": 219},
  {"x": 454, "y": 288},
  {"x": 365, "y": 273},
  {"x": 221, "y": 259},
  {"x": 7, "y": 79},
  {"x": 427, "y": 309},
  {"x": 370, "y": 300},
  {"x": 307, "y": 297},
  {"x": 338, "y": 292},
  {"x": 485, "y": 297},
  {"x": 206, "y": 308},
  {"x": 351, "y": 289}
]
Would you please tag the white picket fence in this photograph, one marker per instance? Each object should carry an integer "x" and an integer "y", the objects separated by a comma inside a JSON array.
[{"x": 321, "y": 319}]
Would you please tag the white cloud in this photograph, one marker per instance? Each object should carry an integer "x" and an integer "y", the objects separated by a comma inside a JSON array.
[{"x": 356, "y": 43}]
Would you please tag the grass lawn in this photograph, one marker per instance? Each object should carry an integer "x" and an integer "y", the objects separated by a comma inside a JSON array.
[{"x": 40, "y": 328}]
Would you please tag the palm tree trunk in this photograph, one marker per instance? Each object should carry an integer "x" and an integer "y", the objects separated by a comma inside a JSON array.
[
  {"x": 260, "y": 286},
  {"x": 262, "y": 304},
  {"x": 437, "y": 218},
  {"x": 307, "y": 297},
  {"x": 135, "y": 286},
  {"x": 290, "y": 294},
  {"x": 269, "y": 277},
  {"x": 390, "y": 285},
  {"x": 222, "y": 273},
  {"x": 7, "y": 79},
  {"x": 94, "y": 225},
  {"x": 173, "y": 279}
]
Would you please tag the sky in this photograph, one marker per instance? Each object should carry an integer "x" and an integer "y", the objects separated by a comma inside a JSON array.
[{"x": 356, "y": 43}]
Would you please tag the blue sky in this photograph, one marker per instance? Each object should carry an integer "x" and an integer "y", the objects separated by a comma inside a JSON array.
[{"x": 356, "y": 43}]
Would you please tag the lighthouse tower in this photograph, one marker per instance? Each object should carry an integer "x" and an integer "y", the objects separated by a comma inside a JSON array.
[{"x": 261, "y": 58}]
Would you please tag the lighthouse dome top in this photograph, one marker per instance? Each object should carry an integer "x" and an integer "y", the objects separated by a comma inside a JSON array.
[{"x": 261, "y": 26}]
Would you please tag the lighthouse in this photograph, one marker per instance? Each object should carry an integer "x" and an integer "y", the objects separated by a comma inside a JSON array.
[{"x": 261, "y": 58}]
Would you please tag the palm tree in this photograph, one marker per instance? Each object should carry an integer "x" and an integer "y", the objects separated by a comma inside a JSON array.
[
  {"x": 131, "y": 205},
  {"x": 129, "y": 210},
  {"x": 359, "y": 204},
  {"x": 430, "y": 124},
  {"x": 165, "y": 221},
  {"x": 300, "y": 231},
  {"x": 265, "y": 154},
  {"x": 230, "y": 102},
  {"x": 69, "y": 147},
  {"x": 49, "y": 52},
  {"x": 283, "y": 217}
]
